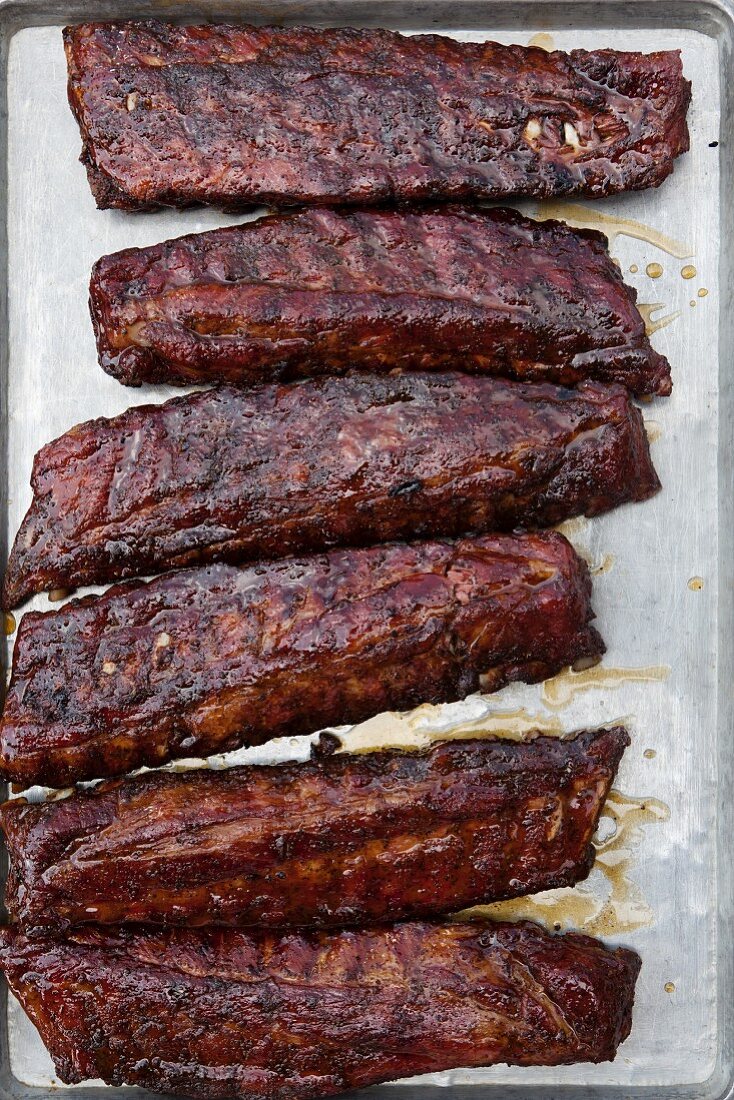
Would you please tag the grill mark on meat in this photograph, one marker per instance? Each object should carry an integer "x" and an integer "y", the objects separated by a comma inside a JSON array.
[
  {"x": 323, "y": 292},
  {"x": 348, "y": 840},
  {"x": 285, "y": 648},
  {"x": 227, "y": 475},
  {"x": 236, "y": 116}
]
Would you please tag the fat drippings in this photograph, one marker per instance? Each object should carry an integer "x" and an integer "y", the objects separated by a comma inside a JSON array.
[
  {"x": 543, "y": 41},
  {"x": 648, "y": 308},
  {"x": 584, "y": 217},
  {"x": 603, "y": 565},
  {"x": 572, "y": 528},
  {"x": 420, "y": 728},
  {"x": 609, "y": 902},
  {"x": 559, "y": 691},
  {"x": 654, "y": 431}
]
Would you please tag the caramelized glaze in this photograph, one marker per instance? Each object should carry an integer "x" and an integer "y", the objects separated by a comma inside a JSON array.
[
  {"x": 264, "y": 1015},
  {"x": 206, "y": 660},
  {"x": 322, "y": 292},
  {"x": 236, "y": 115}
]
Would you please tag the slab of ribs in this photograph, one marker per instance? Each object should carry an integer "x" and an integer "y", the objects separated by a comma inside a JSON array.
[
  {"x": 323, "y": 292},
  {"x": 348, "y": 839},
  {"x": 236, "y": 116},
  {"x": 219, "y": 1013},
  {"x": 232, "y": 475},
  {"x": 205, "y": 660}
]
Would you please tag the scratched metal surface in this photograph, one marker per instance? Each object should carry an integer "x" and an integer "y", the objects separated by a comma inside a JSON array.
[{"x": 679, "y": 889}]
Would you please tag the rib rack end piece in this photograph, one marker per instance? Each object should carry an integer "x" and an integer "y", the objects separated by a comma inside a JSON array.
[
  {"x": 236, "y": 116},
  {"x": 212, "y": 1015}
]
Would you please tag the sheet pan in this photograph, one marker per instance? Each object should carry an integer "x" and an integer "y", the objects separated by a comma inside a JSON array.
[{"x": 663, "y": 583}]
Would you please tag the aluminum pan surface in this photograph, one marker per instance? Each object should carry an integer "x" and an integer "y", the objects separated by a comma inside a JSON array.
[{"x": 646, "y": 610}]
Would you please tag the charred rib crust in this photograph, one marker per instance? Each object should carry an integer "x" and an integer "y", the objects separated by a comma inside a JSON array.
[
  {"x": 348, "y": 840},
  {"x": 231, "y": 476},
  {"x": 323, "y": 292},
  {"x": 236, "y": 116},
  {"x": 217, "y": 1010},
  {"x": 205, "y": 660}
]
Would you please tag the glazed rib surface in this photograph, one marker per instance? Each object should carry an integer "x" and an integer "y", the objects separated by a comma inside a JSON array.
[
  {"x": 205, "y": 660},
  {"x": 233, "y": 116},
  {"x": 227, "y": 475},
  {"x": 322, "y": 292},
  {"x": 348, "y": 840},
  {"x": 215, "y": 1014}
]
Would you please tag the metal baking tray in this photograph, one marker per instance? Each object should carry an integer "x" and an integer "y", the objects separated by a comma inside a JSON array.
[{"x": 663, "y": 584}]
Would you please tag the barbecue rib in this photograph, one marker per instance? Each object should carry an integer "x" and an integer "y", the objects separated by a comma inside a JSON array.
[
  {"x": 227, "y": 475},
  {"x": 223, "y": 1013},
  {"x": 236, "y": 116},
  {"x": 321, "y": 292},
  {"x": 204, "y": 660},
  {"x": 348, "y": 840}
]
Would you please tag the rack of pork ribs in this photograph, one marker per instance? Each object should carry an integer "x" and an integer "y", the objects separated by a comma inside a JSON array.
[
  {"x": 171, "y": 116},
  {"x": 322, "y": 292}
]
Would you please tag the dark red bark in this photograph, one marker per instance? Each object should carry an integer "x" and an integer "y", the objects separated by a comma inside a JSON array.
[
  {"x": 205, "y": 660},
  {"x": 323, "y": 292},
  {"x": 227, "y": 475},
  {"x": 270, "y": 1016},
  {"x": 233, "y": 116}
]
